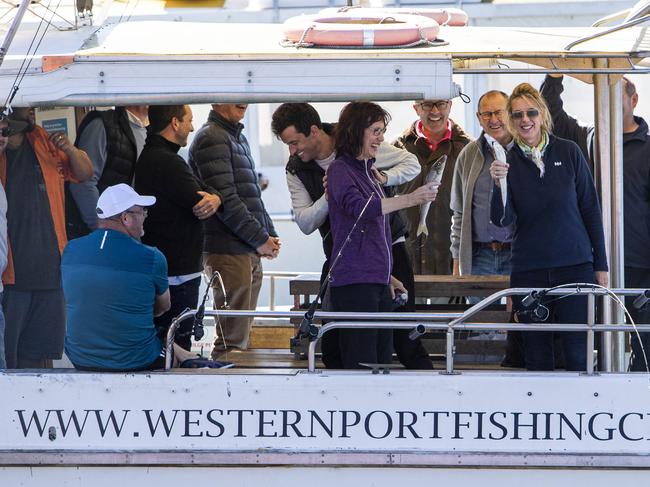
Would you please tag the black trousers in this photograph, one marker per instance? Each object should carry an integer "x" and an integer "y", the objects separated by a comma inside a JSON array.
[
  {"x": 373, "y": 346},
  {"x": 539, "y": 345},
  {"x": 183, "y": 296},
  {"x": 640, "y": 278},
  {"x": 411, "y": 353}
]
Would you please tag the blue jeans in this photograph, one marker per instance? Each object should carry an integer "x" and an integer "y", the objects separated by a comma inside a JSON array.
[
  {"x": 3, "y": 363},
  {"x": 487, "y": 262},
  {"x": 538, "y": 345}
]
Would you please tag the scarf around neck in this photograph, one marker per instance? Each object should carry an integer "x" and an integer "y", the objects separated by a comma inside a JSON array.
[{"x": 535, "y": 153}]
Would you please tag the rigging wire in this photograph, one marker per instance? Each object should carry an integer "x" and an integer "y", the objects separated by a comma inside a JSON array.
[
  {"x": 135, "y": 7},
  {"x": 19, "y": 77}
]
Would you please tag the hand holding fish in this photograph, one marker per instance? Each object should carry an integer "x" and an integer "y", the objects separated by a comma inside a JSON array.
[
  {"x": 432, "y": 180},
  {"x": 424, "y": 194},
  {"x": 498, "y": 171}
]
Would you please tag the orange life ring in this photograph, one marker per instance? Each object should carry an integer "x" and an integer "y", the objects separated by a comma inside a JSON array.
[
  {"x": 444, "y": 16},
  {"x": 345, "y": 29}
]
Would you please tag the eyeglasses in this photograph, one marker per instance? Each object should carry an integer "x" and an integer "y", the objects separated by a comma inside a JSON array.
[
  {"x": 5, "y": 132},
  {"x": 144, "y": 212},
  {"x": 530, "y": 113},
  {"x": 377, "y": 132},
  {"x": 427, "y": 106},
  {"x": 488, "y": 115}
]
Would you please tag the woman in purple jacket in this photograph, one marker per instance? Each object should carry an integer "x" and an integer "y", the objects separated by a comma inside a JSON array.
[{"x": 361, "y": 279}]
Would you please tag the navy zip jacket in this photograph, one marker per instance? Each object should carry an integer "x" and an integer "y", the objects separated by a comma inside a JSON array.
[
  {"x": 636, "y": 171},
  {"x": 557, "y": 218},
  {"x": 367, "y": 258}
]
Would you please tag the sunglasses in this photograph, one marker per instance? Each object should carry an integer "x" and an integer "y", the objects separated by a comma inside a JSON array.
[
  {"x": 530, "y": 113},
  {"x": 5, "y": 132}
]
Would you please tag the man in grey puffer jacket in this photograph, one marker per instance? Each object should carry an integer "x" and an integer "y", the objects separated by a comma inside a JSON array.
[{"x": 242, "y": 232}]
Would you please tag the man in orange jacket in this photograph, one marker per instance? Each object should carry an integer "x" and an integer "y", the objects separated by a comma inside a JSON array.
[{"x": 33, "y": 170}]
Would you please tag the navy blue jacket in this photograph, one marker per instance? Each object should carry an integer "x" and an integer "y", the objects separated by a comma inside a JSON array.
[
  {"x": 557, "y": 218},
  {"x": 636, "y": 171}
]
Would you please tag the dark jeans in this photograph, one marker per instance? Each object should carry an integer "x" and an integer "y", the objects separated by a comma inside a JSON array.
[
  {"x": 357, "y": 346},
  {"x": 538, "y": 345},
  {"x": 411, "y": 353},
  {"x": 640, "y": 278},
  {"x": 183, "y": 296}
]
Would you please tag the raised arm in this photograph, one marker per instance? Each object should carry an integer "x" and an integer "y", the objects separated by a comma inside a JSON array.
[{"x": 564, "y": 125}]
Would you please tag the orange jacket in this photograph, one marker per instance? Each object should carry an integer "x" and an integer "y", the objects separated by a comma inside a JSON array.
[{"x": 56, "y": 169}]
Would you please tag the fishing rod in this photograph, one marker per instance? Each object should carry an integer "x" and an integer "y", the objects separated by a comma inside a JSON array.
[{"x": 307, "y": 329}]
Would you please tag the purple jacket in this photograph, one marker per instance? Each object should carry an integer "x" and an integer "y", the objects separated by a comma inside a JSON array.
[{"x": 367, "y": 258}]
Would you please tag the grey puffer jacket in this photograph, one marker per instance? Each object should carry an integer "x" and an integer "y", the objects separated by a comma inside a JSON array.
[{"x": 221, "y": 158}]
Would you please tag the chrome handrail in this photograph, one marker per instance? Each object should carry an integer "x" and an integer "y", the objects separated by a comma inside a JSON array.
[{"x": 449, "y": 322}]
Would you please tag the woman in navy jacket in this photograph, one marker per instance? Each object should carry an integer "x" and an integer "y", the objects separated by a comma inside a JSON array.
[
  {"x": 558, "y": 225},
  {"x": 361, "y": 268}
]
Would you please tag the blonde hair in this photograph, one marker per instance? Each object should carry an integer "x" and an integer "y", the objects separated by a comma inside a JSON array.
[{"x": 525, "y": 90}]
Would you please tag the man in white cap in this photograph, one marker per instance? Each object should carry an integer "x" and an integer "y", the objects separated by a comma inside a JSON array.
[{"x": 114, "y": 286}]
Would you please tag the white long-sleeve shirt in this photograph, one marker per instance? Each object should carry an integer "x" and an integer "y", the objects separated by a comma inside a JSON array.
[{"x": 399, "y": 166}]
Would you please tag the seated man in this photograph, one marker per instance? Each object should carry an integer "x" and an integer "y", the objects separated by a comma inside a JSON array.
[{"x": 114, "y": 286}]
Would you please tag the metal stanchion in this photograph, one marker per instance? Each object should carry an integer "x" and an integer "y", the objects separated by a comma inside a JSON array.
[{"x": 591, "y": 321}]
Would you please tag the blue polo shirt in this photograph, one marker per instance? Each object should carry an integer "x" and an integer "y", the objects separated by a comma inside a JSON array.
[{"x": 111, "y": 281}]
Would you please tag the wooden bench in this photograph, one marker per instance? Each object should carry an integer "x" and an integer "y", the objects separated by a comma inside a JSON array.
[{"x": 305, "y": 287}]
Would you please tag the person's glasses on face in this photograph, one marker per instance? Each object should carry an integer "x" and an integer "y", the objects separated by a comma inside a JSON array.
[
  {"x": 427, "y": 106},
  {"x": 144, "y": 212},
  {"x": 5, "y": 132},
  {"x": 530, "y": 113},
  {"x": 376, "y": 132},
  {"x": 487, "y": 115}
]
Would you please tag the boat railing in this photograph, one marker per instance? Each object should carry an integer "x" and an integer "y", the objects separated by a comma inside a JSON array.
[{"x": 450, "y": 323}]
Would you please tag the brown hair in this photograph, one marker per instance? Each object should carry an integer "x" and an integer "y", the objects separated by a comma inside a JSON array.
[
  {"x": 353, "y": 120},
  {"x": 160, "y": 116}
]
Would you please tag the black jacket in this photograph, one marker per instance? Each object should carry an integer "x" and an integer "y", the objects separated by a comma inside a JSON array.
[
  {"x": 221, "y": 156},
  {"x": 121, "y": 154},
  {"x": 171, "y": 226},
  {"x": 636, "y": 171}
]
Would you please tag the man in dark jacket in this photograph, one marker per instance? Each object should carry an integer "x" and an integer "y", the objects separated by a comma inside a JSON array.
[
  {"x": 636, "y": 183},
  {"x": 433, "y": 135},
  {"x": 241, "y": 233},
  {"x": 113, "y": 139},
  {"x": 174, "y": 223}
]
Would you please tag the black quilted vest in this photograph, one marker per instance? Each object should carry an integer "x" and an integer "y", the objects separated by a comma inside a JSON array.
[{"x": 122, "y": 153}]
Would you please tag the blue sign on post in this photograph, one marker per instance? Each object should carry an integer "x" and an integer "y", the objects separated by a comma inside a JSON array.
[{"x": 56, "y": 125}]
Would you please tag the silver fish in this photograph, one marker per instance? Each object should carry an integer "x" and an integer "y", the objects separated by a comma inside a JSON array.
[
  {"x": 433, "y": 176},
  {"x": 499, "y": 155}
]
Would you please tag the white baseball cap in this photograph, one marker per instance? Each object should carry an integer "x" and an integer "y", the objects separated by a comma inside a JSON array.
[{"x": 116, "y": 199}]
